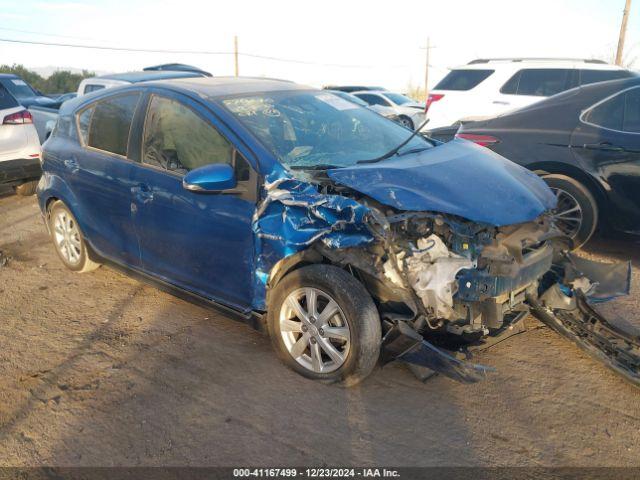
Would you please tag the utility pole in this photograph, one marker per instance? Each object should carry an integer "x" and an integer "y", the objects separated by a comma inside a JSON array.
[
  {"x": 623, "y": 32},
  {"x": 426, "y": 68},
  {"x": 235, "y": 53}
]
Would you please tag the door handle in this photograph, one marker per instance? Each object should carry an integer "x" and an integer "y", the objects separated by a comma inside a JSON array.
[
  {"x": 608, "y": 146},
  {"x": 142, "y": 193},
  {"x": 71, "y": 164}
]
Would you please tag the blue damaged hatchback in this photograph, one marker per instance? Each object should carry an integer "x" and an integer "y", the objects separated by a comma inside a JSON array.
[{"x": 351, "y": 240}]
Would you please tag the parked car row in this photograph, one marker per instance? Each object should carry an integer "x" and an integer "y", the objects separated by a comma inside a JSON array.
[{"x": 348, "y": 238}]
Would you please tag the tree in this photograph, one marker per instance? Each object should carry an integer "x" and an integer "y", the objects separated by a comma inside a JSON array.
[{"x": 61, "y": 81}]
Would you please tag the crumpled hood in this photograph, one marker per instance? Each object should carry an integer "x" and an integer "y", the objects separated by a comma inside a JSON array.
[{"x": 458, "y": 178}]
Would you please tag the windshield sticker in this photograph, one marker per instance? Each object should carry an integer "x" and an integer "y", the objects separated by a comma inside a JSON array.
[
  {"x": 22, "y": 83},
  {"x": 336, "y": 102}
]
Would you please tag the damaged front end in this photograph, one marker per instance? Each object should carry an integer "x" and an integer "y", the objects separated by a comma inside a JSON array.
[{"x": 444, "y": 285}]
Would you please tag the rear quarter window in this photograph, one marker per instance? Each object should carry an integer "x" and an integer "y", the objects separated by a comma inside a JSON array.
[
  {"x": 463, "y": 79},
  {"x": 593, "y": 76},
  {"x": 6, "y": 99}
]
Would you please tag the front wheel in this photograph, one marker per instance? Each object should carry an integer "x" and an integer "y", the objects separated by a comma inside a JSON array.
[
  {"x": 324, "y": 325},
  {"x": 577, "y": 212}
]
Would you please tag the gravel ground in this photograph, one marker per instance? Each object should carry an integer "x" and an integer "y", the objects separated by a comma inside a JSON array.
[{"x": 99, "y": 369}]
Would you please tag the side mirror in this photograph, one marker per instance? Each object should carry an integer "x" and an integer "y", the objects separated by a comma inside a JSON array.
[{"x": 210, "y": 178}]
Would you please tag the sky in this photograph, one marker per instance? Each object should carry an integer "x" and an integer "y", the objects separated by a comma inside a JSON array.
[{"x": 332, "y": 42}]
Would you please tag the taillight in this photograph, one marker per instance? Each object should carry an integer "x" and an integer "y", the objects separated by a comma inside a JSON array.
[
  {"x": 433, "y": 97},
  {"x": 482, "y": 140},
  {"x": 18, "y": 118}
]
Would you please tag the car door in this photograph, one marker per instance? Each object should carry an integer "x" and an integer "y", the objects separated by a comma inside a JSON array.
[
  {"x": 202, "y": 242},
  {"x": 98, "y": 170},
  {"x": 607, "y": 141}
]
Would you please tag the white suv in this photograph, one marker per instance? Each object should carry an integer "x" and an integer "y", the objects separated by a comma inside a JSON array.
[
  {"x": 19, "y": 146},
  {"x": 488, "y": 87}
]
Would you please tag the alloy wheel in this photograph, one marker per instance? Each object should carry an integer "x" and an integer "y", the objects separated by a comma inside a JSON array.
[
  {"x": 67, "y": 237},
  {"x": 314, "y": 330},
  {"x": 568, "y": 214}
]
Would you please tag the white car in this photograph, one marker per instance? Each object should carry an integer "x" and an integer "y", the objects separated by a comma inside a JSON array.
[
  {"x": 158, "y": 72},
  {"x": 19, "y": 146},
  {"x": 410, "y": 113},
  {"x": 486, "y": 88}
]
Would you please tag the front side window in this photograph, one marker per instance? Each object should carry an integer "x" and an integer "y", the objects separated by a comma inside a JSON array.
[
  {"x": 177, "y": 139},
  {"x": 318, "y": 129},
  {"x": 110, "y": 123},
  {"x": 462, "y": 80},
  {"x": 373, "y": 99},
  {"x": 537, "y": 82}
]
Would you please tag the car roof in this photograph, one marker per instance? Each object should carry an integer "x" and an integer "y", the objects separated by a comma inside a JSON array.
[
  {"x": 224, "y": 86},
  {"x": 146, "y": 76},
  {"x": 8, "y": 75},
  {"x": 519, "y": 63}
]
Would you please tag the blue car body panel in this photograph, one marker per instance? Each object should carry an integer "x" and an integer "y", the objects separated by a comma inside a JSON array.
[
  {"x": 458, "y": 178},
  {"x": 223, "y": 247}
]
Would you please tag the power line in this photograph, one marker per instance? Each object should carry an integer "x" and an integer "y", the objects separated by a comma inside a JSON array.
[{"x": 185, "y": 52}]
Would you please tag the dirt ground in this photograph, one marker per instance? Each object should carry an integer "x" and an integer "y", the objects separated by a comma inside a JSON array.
[{"x": 99, "y": 369}]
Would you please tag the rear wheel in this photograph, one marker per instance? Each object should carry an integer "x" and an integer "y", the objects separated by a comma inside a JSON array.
[
  {"x": 26, "y": 189},
  {"x": 577, "y": 212},
  {"x": 324, "y": 325},
  {"x": 68, "y": 240}
]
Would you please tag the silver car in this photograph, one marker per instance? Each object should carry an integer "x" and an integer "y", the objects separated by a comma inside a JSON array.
[{"x": 410, "y": 113}]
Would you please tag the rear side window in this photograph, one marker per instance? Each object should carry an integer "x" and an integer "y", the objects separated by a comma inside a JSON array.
[
  {"x": 373, "y": 99},
  {"x": 92, "y": 88},
  {"x": 593, "y": 76},
  {"x": 538, "y": 82},
  {"x": 463, "y": 79},
  {"x": 621, "y": 113},
  {"x": 177, "y": 139},
  {"x": 107, "y": 127},
  {"x": 632, "y": 111},
  {"x": 6, "y": 99}
]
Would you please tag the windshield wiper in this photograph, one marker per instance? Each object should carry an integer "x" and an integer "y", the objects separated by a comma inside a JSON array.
[
  {"x": 395, "y": 150},
  {"x": 320, "y": 166}
]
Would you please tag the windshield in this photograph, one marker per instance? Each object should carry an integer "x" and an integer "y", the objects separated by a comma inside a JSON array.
[
  {"x": 397, "y": 98},
  {"x": 18, "y": 88},
  {"x": 319, "y": 129}
]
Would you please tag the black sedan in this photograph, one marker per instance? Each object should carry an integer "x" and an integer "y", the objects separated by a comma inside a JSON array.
[{"x": 585, "y": 143}]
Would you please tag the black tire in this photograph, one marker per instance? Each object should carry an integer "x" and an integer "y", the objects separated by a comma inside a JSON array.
[
  {"x": 584, "y": 199},
  {"x": 26, "y": 189},
  {"x": 359, "y": 312},
  {"x": 407, "y": 122},
  {"x": 83, "y": 263}
]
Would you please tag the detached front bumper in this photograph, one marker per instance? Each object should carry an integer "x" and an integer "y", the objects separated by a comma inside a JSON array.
[{"x": 19, "y": 171}]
